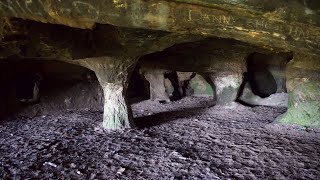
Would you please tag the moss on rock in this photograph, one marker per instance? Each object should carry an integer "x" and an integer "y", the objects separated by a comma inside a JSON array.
[
  {"x": 303, "y": 82},
  {"x": 304, "y": 104}
]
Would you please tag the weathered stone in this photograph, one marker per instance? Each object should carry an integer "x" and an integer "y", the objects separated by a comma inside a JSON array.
[
  {"x": 209, "y": 55},
  {"x": 172, "y": 76},
  {"x": 201, "y": 87},
  {"x": 100, "y": 32},
  {"x": 184, "y": 79},
  {"x": 190, "y": 84},
  {"x": 266, "y": 73},
  {"x": 56, "y": 42},
  {"x": 275, "y": 100},
  {"x": 277, "y": 68},
  {"x": 117, "y": 111},
  {"x": 157, "y": 85},
  {"x": 168, "y": 86},
  {"x": 227, "y": 85},
  {"x": 277, "y": 24},
  {"x": 303, "y": 84},
  {"x": 113, "y": 74}
]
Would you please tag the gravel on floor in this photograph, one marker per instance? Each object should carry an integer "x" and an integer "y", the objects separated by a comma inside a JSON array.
[{"x": 187, "y": 139}]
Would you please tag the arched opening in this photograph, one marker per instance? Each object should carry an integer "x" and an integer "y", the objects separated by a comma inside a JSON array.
[
  {"x": 258, "y": 75},
  {"x": 265, "y": 80},
  {"x": 38, "y": 86},
  {"x": 70, "y": 126},
  {"x": 188, "y": 67},
  {"x": 185, "y": 128},
  {"x": 139, "y": 87}
]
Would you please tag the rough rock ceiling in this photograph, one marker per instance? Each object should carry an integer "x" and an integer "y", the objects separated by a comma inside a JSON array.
[{"x": 278, "y": 25}]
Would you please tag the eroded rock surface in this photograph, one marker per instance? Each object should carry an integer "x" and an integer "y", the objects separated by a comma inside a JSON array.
[
  {"x": 156, "y": 80},
  {"x": 303, "y": 83},
  {"x": 183, "y": 139},
  {"x": 213, "y": 38}
]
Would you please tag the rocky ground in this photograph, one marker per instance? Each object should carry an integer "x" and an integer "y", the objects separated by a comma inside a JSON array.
[{"x": 187, "y": 139}]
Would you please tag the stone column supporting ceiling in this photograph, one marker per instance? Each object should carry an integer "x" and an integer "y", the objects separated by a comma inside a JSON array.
[
  {"x": 303, "y": 84},
  {"x": 98, "y": 33},
  {"x": 113, "y": 75}
]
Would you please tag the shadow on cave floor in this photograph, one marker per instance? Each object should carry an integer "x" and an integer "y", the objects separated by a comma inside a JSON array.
[
  {"x": 211, "y": 142},
  {"x": 151, "y": 113},
  {"x": 165, "y": 117}
]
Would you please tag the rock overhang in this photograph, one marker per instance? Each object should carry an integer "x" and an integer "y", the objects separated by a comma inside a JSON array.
[
  {"x": 275, "y": 25},
  {"x": 110, "y": 36}
]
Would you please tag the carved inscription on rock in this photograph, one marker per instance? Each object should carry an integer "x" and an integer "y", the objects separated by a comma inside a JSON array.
[
  {"x": 294, "y": 35},
  {"x": 284, "y": 31},
  {"x": 198, "y": 16}
]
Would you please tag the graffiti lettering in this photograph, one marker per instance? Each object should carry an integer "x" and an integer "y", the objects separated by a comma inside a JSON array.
[
  {"x": 262, "y": 25},
  {"x": 297, "y": 32},
  {"x": 210, "y": 18}
]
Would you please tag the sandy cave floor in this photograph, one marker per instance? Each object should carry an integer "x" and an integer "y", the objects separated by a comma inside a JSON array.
[{"x": 187, "y": 139}]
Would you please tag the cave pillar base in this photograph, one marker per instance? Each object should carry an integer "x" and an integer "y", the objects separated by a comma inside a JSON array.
[
  {"x": 303, "y": 86},
  {"x": 157, "y": 85},
  {"x": 227, "y": 86},
  {"x": 113, "y": 75}
]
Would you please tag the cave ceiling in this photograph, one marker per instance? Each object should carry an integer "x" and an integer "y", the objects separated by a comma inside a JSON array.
[{"x": 71, "y": 30}]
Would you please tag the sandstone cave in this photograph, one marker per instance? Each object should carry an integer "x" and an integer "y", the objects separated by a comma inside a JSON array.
[{"x": 188, "y": 89}]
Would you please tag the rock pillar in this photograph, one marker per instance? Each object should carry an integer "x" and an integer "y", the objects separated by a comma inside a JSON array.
[
  {"x": 113, "y": 75},
  {"x": 227, "y": 86},
  {"x": 303, "y": 86},
  {"x": 156, "y": 80}
]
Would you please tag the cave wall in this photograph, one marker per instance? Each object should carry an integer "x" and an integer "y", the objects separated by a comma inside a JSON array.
[
  {"x": 62, "y": 87},
  {"x": 303, "y": 84},
  {"x": 266, "y": 73},
  {"x": 211, "y": 37},
  {"x": 265, "y": 80},
  {"x": 6, "y": 89},
  {"x": 198, "y": 86}
]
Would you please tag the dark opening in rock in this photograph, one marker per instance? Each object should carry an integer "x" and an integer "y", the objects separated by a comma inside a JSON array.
[
  {"x": 27, "y": 87},
  {"x": 36, "y": 87},
  {"x": 173, "y": 77},
  {"x": 259, "y": 76},
  {"x": 139, "y": 87},
  {"x": 149, "y": 89}
]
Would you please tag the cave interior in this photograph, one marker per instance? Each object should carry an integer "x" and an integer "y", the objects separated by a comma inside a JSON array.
[{"x": 160, "y": 90}]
